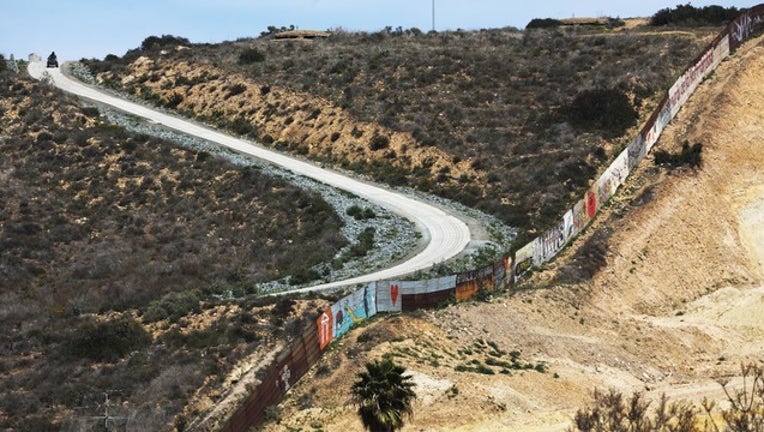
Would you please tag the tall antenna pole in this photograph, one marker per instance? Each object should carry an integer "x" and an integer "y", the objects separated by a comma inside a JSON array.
[{"x": 433, "y": 15}]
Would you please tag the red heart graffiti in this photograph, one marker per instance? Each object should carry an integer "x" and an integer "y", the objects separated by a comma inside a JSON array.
[{"x": 394, "y": 293}]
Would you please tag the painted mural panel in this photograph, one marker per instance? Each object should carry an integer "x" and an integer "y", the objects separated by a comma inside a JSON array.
[
  {"x": 523, "y": 261},
  {"x": 470, "y": 283},
  {"x": 371, "y": 299},
  {"x": 637, "y": 151},
  {"x": 325, "y": 324},
  {"x": 428, "y": 285},
  {"x": 466, "y": 285},
  {"x": 485, "y": 279},
  {"x": 580, "y": 216},
  {"x": 389, "y": 296},
  {"x": 658, "y": 121},
  {"x": 691, "y": 79},
  {"x": 552, "y": 241},
  {"x": 349, "y": 311},
  {"x": 612, "y": 178},
  {"x": 746, "y": 26},
  {"x": 500, "y": 272}
]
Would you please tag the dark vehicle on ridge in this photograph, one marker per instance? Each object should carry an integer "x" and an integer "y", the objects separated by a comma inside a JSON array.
[{"x": 52, "y": 60}]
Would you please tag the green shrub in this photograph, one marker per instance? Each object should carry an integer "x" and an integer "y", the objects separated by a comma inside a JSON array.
[
  {"x": 108, "y": 340},
  {"x": 365, "y": 243},
  {"x": 250, "y": 56},
  {"x": 173, "y": 306},
  {"x": 303, "y": 275},
  {"x": 243, "y": 127},
  {"x": 607, "y": 111},
  {"x": 688, "y": 15},
  {"x": 173, "y": 100},
  {"x": 236, "y": 89},
  {"x": 540, "y": 23},
  {"x": 379, "y": 142},
  {"x": 360, "y": 213},
  {"x": 690, "y": 155},
  {"x": 91, "y": 112},
  {"x": 155, "y": 42},
  {"x": 493, "y": 362}
]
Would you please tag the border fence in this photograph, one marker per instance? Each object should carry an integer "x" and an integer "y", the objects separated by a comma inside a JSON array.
[{"x": 402, "y": 296}]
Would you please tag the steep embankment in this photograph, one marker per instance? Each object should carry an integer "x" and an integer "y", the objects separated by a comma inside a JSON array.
[{"x": 678, "y": 302}]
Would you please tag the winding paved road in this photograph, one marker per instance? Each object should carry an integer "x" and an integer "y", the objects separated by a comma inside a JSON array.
[{"x": 446, "y": 235}]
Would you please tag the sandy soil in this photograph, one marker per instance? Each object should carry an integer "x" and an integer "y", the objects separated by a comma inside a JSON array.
[{"x": 680, "y": 303}]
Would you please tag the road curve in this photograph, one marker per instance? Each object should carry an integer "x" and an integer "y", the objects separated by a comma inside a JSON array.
[{"x": 446, "y": 235}]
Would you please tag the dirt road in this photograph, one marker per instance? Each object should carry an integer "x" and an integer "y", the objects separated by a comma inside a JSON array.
[{"x": 445, "y": 235}]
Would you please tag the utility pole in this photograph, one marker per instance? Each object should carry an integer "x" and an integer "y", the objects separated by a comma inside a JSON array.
[{"x": 433, "y": 15}]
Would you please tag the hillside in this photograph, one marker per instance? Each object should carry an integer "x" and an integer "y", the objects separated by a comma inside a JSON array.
[
  {"x": 663, "y": 294},
  {"x": 486, "y": 118},
  {"x": 129, "y": 269},
  {"x": 117, "y": 250}
]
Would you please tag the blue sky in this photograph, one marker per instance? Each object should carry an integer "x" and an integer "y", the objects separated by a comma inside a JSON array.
[{"x": 94, "y": 28}]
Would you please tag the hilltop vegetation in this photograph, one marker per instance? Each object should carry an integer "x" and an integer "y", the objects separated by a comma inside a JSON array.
[
  {"x": 487, "y": 118},
  {"x": 689, "y": 15},
  {"x": 115, "y": 247}
]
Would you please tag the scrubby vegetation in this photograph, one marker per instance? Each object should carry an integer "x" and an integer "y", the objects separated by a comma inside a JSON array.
[
  {"x": 744, "y": 411},
  {"x": 689, "y": 155},
  {"x": 689, "y": 15},
  {"x": 608, "y": 112},
  {"x": 251, "y": 55},
  {"x": 499, "y": 99},
  {"x": 157, "y": 42},
  {"x": 360, "y": 213},
  {"x": 113, "y": 244},
  {"x": 543, "y": 23}
]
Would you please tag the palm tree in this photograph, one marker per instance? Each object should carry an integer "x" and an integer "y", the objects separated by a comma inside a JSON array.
[{"x": 383, "y": 395}]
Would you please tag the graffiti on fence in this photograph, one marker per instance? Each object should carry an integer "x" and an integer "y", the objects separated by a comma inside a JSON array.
[
  {"x": 523, "y": 261},
  {"x": 388, "y": 296},
  {"x": 613, "y": 177},
  {"x": 745, "y": 26},
  {"x": 469, "y": 283},
  {"x": 549, "y": 243},
  {"x": 653, "y": 129},
  {"x": 371, "y": 300},
  {"x": 637, "y": 151},
  {"x": 500, "y": 272},
  {"x": 325, "y": 328},
  {"x": 349, "y": 311},
  {"x": 691, "y": 79}
]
